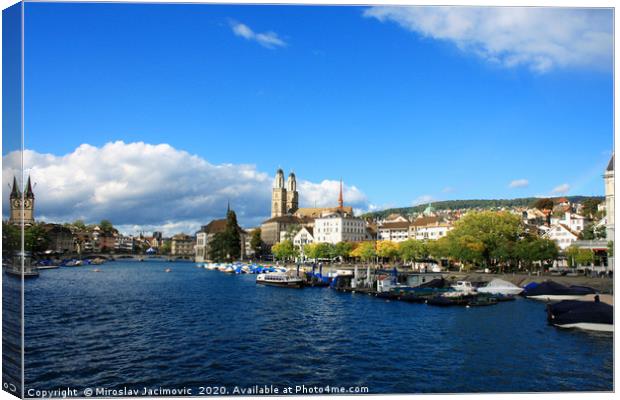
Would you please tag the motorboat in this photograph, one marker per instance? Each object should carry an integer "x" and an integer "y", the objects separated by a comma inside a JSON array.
[
  {"x": 553, "y": 291},
  {"x": 500, "y": 286},
  {"x": 588, "y": 315},
  {"x": 464, "y": 287},
  {"x": 279, "y": 279}
]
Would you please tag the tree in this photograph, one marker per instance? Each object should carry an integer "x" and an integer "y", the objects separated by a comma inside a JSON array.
[
  {"x": 532, "y": 249},
  {"x": 342, "y": 249},
  {"x": 11, "y": 238},
  {"x": 284, "y": 250},
  {"x": 310, "y": 250},
  {"x": 79, "y": 224},
  {"x": 610, "y": 248},
  {"x": 325, "y": 250},
  {"x": 593, "y": 232},
  {"x": 106, "y": 226},
  {"x": 387, "y": 249},
  {"x": 544, "y": 204},
  {"x": 411, "y": 250},
  {"x": 364, "y": 251},
  {"x": 36, "y": 239},
  {"x": 439, "y": 248},
  {"x": 589, "y": 207},
  {"x": 585, "y": 257},
  {"x": 486, "y": 237},
  {"x": 217, "y": 247},
  {"x": 256, "y": 242},
  {"x": 231, "y": 238}
]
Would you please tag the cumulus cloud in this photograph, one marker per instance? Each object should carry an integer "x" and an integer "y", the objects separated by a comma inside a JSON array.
[
  {"x": 519, "y": 183},
  {"x": 145, "y": 187},
  {"x": 269, "y": 40},
  {"x": 325, "y": 194},
  {"x": 539, "y": 38},
  {"x": 561, "y": 189}
]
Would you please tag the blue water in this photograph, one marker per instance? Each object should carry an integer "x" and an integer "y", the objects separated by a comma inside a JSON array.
[{"x": 133, "y": 325}]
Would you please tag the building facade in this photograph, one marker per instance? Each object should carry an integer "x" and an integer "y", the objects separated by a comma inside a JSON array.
[
  {"x": 182, "y": 245},
  {"x": 339, "y": 227},
  {"x": 21, "y": 204},
  {"x": 60, "y": 238},
  {"x": 609, "y": 199},
  {"x": 284, "y": 200}
]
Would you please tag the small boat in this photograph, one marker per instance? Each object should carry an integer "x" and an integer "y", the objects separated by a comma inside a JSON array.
[
  {"x": 96, "y": 270},
  {"x": 464, "y": 287},
  {"x": 553, "y": 291},
  {"x": 500, "y": 286},
  {"x": 167, "y": 270},
  {"x": 279, "y": 279},
  {"x": 588, "y": 315},
  {"x": 73, "y": 263}
]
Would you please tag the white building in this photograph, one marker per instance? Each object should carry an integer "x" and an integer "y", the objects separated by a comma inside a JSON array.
[
  {"x": 336, "y": 227},
  {"x": 428, "y": 228},
  {"x": 303, "y": 237},
  {"x": 394, "y": 231},
  {"x": 562, "y": 235},
  {"x": 574, "y": 222}
]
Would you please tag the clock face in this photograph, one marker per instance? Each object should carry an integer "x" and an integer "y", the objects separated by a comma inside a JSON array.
[
  {"x": 17, "y": 203},
  {"x": 27, "y": 203}
]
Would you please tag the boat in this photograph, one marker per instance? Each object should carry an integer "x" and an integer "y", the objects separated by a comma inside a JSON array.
[
  {"x": 167, "y": 270},
  {"x": 279, "y": 279},
  {"x": 73, "y": 263},
  {"x": 464, "y": 287},
  {"x": 483, "y": 300},
  {"x": 553, "y": 291},
  {"x": 587, "y": 315},
  {"x": 500, "y": 286}
]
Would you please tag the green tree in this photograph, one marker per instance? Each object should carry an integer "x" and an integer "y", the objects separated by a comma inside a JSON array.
[
  {"x": 217, "y": 247},
  {"x": 411, "y": 250},
  {"x": 571, "y": 254},
  {"x": 533, "y": 249},
  {"x": 79, "y": 224},
  {"x": 585, "y": 257},
  {"x": 486, "y": 237},
  {"x": 256, "y": 242},
  {"x": 610, "y": 248},
  {"x": 106, "y": 226},
  {"x": 36, "y": 239},
  {"x": 593, "y": 232},
  {"x": 365, "y": 251},
  {"x": 231, "y": 240},
  {"x": 166, "y": 247},
  {"x": 11, "y": 238},
  {"x": 284, "y": 250},
  {"x": 342, "y": 249},
  {"x": 589, "y": 207},
  {"x": 291, "y": 231},
  {"x": 325, "y": 250}
]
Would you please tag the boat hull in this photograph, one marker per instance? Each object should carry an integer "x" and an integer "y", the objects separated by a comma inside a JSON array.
[
  {"x": 289, "y": 284},
  {"x": 556, "y": 297},
  {"x": 504, "y": 291},
  {"x": 588, "y": 326}
]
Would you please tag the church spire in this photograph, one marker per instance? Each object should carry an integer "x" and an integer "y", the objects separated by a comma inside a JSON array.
[
  {"x": 15, "y": 188},
  {"x": 29, "y": 193},
  {"x": 340, "y": 200}
]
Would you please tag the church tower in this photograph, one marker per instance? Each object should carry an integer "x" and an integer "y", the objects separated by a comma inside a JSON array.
[
  {"x": 17, "y": 203},
  {"x": 278, "y": 196},
  {"x": 292, "y": 197}
]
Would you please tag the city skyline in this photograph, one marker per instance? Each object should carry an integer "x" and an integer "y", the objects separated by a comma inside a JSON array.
[{"x": 162, "y": 130}]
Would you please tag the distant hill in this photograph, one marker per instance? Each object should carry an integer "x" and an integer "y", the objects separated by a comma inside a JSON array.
[{"x": 466, "y": 204}]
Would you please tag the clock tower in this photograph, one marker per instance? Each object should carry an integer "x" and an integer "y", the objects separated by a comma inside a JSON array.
[{"x": 21, "y": 206}]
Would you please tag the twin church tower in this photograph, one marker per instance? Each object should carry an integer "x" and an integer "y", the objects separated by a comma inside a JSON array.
[{"x": 284, "y": 200}]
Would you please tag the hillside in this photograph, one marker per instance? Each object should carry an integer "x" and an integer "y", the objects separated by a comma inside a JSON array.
[{"x": 468, "y": 204}]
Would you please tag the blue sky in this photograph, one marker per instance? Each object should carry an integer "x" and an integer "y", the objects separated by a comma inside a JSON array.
[{"x": 402, "y": 110}]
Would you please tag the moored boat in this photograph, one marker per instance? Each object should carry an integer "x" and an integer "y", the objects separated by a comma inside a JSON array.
[
  {"x": 279, "y": 279},
  {"x": 553, "y": 291},
  {"x": 500, "y": 286},
  {"x": 588, "y": 315}
]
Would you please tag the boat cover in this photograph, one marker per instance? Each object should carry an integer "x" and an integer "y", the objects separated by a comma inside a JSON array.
[
  {"x": 435, "y": 283},
  {"x": 553, "y": 288},
  {"x": 575, "y": 311},
  {"x": 500, "y": 283}
]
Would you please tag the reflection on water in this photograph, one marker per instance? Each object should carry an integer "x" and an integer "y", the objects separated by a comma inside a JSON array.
[{"x": 133, "y": 325}]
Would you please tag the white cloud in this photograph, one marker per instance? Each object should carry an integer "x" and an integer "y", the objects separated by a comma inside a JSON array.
[
  {"x": 539, "y": 38},
  {"x": 325, "y": 194},
  {"x": 426, "y": 198},
  {"x": 269, "y": 40},
  {"x": 145, "y": 187},
  {"x": 561, "y": 189},
  {"x": 519, "y": 183}
]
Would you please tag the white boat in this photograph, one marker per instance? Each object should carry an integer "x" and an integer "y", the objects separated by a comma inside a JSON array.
[
  {"x": 279, "y": 279},
  {"x": 500, "y": 286},
  {"x": 464, "y": 287}
]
